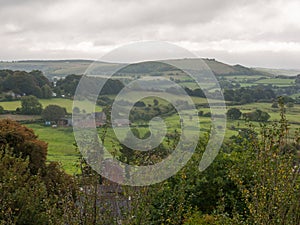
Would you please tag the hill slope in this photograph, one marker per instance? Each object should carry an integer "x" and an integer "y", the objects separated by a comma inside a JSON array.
[{"x": 61, "y": 68}]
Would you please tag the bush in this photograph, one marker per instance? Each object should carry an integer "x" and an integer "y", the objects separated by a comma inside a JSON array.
[
  {"x": 2, "y": 111},
  {"x": 53, "y": 113},
  {"x": 234, "y": 113}
]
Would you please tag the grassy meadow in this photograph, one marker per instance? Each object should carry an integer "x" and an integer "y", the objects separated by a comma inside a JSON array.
[
  {"x": 63, "y": 102},
  {"x": 60, "y": 145}
]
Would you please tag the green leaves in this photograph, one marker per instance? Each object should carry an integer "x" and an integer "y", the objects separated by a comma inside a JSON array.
[{"x": 31, "y": 105}]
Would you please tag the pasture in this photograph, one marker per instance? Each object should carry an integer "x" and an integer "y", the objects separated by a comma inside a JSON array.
[
  {"x": 60, "y": 145},
  {"x": 62, "y": 102}
]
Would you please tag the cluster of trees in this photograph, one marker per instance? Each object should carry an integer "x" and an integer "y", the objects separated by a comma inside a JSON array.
[
  {"x": 24, "y": 83},
  {"x": 198, "y": 92},
  {"x": 68, "y": 85},
  {"x": 32, "y": 190},
  {"x": 248, "y": 95},
  {"x": 21, "y": 83},
  {"x": 145, "y": 112},
  {"x": 257, "y": 115},
  {"x": 30, "y": 105},
  {"x": 195, "y": 92},
  {"x": 243, "y": 95}
]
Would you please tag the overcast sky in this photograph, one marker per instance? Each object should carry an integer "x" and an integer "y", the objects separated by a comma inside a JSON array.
[{"x": 262, "y": 33}]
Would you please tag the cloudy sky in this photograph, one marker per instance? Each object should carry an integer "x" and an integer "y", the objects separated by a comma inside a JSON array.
[{"x": 263, "y": 33}]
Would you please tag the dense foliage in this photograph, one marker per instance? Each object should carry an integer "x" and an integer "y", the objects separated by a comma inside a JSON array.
[
  {"x": 68, "y": 85},
  {"x": 247, "y": 95},
  {"x": 257, "y": 115},
  {"x": 53, "y": 113},
  {"x": 30, "y": 106},
  {"x": 32, "y": 191},
  {"x": 234, "y": 113},
  {"x": 24, "y": 83}
]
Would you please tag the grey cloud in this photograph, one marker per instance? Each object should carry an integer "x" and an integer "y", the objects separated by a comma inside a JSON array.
[
  {"x": 288, "y": 34},
  {"x": 36, "y": 26}
]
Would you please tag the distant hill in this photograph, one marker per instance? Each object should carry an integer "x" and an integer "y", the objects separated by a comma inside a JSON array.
[
  {"x": 219, "y": 68},
  {"x": 50, "y": 68},
  {"x": 62, "y": 68},
  {"x": 222, "y": 69},
  {"x": 278, "y": 72}
]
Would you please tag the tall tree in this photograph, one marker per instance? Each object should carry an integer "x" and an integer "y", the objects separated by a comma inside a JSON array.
[
  {"x": 32, "y": 192},
  {"x": 24, "y": 143},
  {"x": 234, "y": 113},
  {"x": 24, "y": 198},
  {"x": 31, "y": 105},
  {"x": 46, "y": 91}
]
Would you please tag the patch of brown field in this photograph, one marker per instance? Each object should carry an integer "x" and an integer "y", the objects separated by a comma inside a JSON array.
[{"x": 20, "y": 117}]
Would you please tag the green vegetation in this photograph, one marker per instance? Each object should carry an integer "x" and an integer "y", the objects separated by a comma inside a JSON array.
[
  {"x": 257, "y": 115},
  {"x": 60, "y": 145},
  {"x": 22, "y": 83},
  {"x": 254, "y": 180},
  {"x": 277, "y": 81},
  {"x": 62, "y": 102},
  {"x": 234, "y": 113},
  {"x": 32, "y": 191},
  {"x": 30, "y": 105},
  {"x": 53, "y": 113}
]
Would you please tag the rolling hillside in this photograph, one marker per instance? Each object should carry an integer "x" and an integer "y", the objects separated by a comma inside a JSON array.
[{"x": 61, "y": 68}]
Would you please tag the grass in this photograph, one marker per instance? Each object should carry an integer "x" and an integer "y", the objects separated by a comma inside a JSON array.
[
  {"x": 277, "y": 81},
  {"x": 244, "y": 77},
  {"x": 292, "y": 113},
  {"x": 245, "y": 81},
  {"x": 10, "y": 105},
  {"x": 66, "y": 103},
  {"x": 60, "y": 145}
]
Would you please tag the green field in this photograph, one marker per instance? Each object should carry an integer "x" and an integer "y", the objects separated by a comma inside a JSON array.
[
  {"x": 277, "y": 81},
  {"x": 65, "y": 103},
  {"x": 60, "y": 145}
]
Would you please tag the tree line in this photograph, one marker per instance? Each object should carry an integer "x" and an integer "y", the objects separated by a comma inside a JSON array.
[
  {"x": 20, "y": 83},
  {"x": 249, "y": 95},
  {"x": 15, "y": 84}
]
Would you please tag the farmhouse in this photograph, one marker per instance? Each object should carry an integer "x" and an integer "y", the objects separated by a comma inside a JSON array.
[{"x": 97, "y": 119}]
